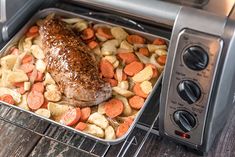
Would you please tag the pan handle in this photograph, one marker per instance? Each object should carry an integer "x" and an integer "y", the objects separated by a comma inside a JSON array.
[
  {"x": 3, "y": 17},
  {"x": 116, "y": 20}
]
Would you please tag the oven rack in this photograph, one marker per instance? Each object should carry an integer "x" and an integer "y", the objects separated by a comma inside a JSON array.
[{"x": 64, "y": 136}]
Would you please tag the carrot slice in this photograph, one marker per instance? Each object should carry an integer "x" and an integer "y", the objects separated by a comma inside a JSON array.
[
  {"x": 136, "y": 102},
  {"x": 93, "y": 44},
  {"x": 155, "y": 71},
  {"x": 35, "y": 100},
  {"x": 129, "y": 121},
  {"x": 33, "y": 35},
  {"x": 122, "y": 129},
  {"x": 144, "y": 51},
  {"x": 138, "y": 91},
  {"x": 27, "y": 59},
  {"x": 71, "y": 117},
  {"x": 124, "y": 77},
  {"x": 85, "y": 113},
  {"x": 8, "y": 99},
  {"x": 33, "y": 75},
  {"x": 161, "y": 60},
  {"x": 27, "y": 67},
  {"x": 87, "y": 34},
  {"x": 106, "y": 68},
  {"x": 159, "y": 41},
  {"x": 133, "y": 68},
  {"x": 19, "y": 84},
  {"x": 113, "y": 108},
  {"x": 39, "y": 87},
  {"x": 112, "y": 82},
  {"x": 135, "y": 39},
  {"x": 40, "y": 76},
  {"x": 21, "y": 90},
  {"x": 81, "y": 126},
  {"x": 15, "y": 51},
  {"x": 127, "y": 58},
  {"x": 45, "y": 104},
  {"x": 34, "y": 29},
  {"x": 104, "y": 32}
]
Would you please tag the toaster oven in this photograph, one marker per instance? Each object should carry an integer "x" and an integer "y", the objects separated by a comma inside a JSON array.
[{"x": 196, "y": 93}]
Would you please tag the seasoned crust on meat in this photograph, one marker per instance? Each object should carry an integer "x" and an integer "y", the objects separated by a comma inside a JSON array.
[{"x": 72, "y": 65}]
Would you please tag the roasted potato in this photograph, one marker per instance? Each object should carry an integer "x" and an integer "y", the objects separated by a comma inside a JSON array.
[
  {"x": 94, "y": 130},
  {"x": 43, "y": 112},
  {"x": 109, "y": 133},
  {"x": 144, "y": 75},
  {"x": 99, "y": 120}
]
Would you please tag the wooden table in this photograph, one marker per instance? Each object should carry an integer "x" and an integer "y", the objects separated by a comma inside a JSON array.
[{"x": 18, "y": 142}]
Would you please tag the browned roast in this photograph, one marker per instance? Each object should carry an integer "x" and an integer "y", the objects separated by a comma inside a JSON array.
[{"x": 72, "y": 65}]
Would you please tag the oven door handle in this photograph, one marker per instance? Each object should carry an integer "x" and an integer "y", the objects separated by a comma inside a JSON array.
[
  {"x": 3, "y": 17},
  {"x": 117, "y": 20}
]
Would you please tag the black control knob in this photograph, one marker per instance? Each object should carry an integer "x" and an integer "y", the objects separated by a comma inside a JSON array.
[
  {"x": 189, "y": 91},
  {"x": 196, "y": 58},
  {"x": 185, "y": 120}
]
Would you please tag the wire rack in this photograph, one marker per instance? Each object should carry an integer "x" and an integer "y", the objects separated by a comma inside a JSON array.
[{"x": 71, "y": 139}]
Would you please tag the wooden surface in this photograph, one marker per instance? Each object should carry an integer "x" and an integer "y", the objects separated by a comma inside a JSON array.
[{"x": 15, "y": 141}]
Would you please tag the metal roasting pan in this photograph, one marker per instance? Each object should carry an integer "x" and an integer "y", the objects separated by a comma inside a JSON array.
[{"x": 42, "y": 14}]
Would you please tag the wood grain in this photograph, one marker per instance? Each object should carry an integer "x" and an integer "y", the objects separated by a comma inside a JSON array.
[{"x": 15, "y": 141}]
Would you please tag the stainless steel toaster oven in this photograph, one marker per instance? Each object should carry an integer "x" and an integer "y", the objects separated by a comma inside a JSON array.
[{"x": 196, "y": 94}]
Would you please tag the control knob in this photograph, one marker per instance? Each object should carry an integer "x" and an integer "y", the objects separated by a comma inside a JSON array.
[
  {"x": 185, "y": 120},
  {"x": 195, "y": 58}
]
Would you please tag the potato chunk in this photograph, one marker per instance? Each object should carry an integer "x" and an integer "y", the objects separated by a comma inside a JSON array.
[
  {"x": 109, "y": 133},
  {"x": 94, "y": 130},
  {"x": 144, "y": 75},
  {"x": 99, "y": 120}
]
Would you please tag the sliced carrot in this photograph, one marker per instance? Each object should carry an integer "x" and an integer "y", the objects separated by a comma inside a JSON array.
[
  {"x": 159, "y": 41},
  {"x": 85, "y": 113},
  {"x": 144, "y": 51},
  {"x": 81, "y": 126},
  {"x": 27, "y": 59},
  {"x": 39, "y": 87},
  {"x": 34, "y": 29},
  {"x": 71, "y": 117},
  {"x": 15, "y": 51},
  {"x": 21, "y": 90},
  {"x": 133, "y": 68},
  {"x": 19, "y": 84},
  {"x": 93, "y": 44},
  {"x": 128, "y": 120},
  {"x": 127, "y": 58},
  {"x": 33, "y": 35},
  {"x": 155, "y": 71},
  {"x": 122, "y": 129},
  {"x": 35, "y": 100},
  {"x": 45, "y": 104},
  {"x": 124, "y": 77},
  {"x": 113, "y": 108},
  {"x": 87, "y": 34},
  {"x": 27, "y": 67},
  {"x": 33, "y": 75},
  {"x": 106, "y": 68},
  {"x": 8, "y": 99},
  {"x": 40, "y": 76},
  {"x": 112, "y": 82},
  {"x": 104, "y": 32},
  {"x": 135, "y": 39},
  {"x": 136, "y": 102},
  {"x": 161, "y": 60},
  {"x": 138, "y": 91}
]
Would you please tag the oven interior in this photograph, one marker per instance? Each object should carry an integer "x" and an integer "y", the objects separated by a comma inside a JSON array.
[{"x": 148, "y": 122}]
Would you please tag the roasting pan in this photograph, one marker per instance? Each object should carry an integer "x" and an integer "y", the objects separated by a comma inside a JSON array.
[{"x": 87, "y": 16}]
